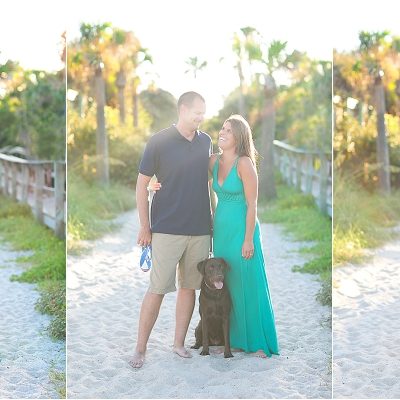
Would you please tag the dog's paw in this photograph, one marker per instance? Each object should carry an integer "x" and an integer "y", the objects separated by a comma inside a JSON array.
[
  {"x": 205, "y": 353},
  {"x": 195, "y": 346},
  {"x": 228, "y": 355}
]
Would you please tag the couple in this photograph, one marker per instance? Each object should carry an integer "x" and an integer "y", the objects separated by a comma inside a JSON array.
[{"x": 179, "y": 231}]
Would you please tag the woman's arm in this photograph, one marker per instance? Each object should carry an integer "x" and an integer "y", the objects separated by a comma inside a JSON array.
[
  {"x": 211, "y": 163},
  {"x": 248, "y": 174}
]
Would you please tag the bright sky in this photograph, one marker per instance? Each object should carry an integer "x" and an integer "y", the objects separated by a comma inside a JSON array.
[{"x": 174, "y": 30}]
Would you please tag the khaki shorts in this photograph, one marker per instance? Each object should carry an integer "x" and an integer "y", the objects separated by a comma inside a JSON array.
[{"x": 170, "y": 251}]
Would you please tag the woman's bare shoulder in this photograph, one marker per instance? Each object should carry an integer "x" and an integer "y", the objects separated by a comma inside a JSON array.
[
  {"x": 245, "y": 162},
  {"x": 245, "y": 166}
]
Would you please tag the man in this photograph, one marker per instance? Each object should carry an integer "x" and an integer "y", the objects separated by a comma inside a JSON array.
[{"x": 180, "y": 219}]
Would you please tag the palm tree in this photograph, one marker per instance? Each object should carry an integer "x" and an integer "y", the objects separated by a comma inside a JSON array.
[
  {"x": 95, "y": 40},
  {"x": 275, "y": 59},
  {"x": 139, "y": 58},
  {"x": 246, "y": 46},
  {"x": 195, "y": 66},
  {"x": 126, "y": 50},
  {"x": 374, "y": 48}
]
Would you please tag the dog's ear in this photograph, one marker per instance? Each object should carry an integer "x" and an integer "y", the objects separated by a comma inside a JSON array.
[
  {"x": 226, "y": 265},
  {"x": 201, "y": 266}
]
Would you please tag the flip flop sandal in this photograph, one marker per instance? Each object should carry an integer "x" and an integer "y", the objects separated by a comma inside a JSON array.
[{"x": 145, "y": 258}]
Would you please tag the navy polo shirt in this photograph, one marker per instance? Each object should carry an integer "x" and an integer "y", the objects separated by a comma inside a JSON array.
[{"x": 182, "y": 205}]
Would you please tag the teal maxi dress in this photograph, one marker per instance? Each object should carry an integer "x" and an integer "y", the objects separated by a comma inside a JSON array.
[{"x": 252, "y": 322}]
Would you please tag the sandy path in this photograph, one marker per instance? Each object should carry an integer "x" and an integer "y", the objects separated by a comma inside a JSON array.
[
  {"x": 105, "y": 290},
  {"x": 27, "y": 354},
  {"x": 367, "y": 326}
]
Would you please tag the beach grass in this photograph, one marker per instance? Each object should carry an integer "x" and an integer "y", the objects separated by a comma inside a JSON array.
[
  {"x": 45, "y": 264},
  {"x": 300, "y": 216},
  {"x": 91, "y": 208},
  {"x": 362, "y": 219}
]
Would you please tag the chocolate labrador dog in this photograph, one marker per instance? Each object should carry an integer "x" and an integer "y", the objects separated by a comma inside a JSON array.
[{"x": 215, "y": 307}]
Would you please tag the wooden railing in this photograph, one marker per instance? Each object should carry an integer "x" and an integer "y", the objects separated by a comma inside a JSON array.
[
  {"x": 308, "y": 171},
  {"x": 40, "y": 184}
]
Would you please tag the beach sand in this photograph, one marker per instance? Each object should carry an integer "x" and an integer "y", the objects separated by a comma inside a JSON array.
[
  {"x": 105, "y": 290},
  {"x": 366, "y": 343},
  {"x": 27, "y": 354}
]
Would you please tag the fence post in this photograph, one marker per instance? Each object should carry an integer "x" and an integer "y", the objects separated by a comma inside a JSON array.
[
  {"x": 14, "y": 172},
  {"x": 25, "y": 183},
  {"x": 6, "y": 178},
  {"x": 286, "y": 167},
  {"x": 289, "y": 176},
  {"x": 39, "y": 183},
  {"x": 298, "y": 171},
  {"x": 59, "y": 183},
  {"x": 2, "y": 177},
  {"x": 309, "y": 173},
  {"x": 323, "y": 183}
]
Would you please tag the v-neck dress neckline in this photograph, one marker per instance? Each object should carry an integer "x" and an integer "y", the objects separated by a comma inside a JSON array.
[{"x": 234, "y": 165}]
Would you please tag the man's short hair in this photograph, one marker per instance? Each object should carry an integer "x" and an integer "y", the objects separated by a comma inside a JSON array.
[{"x": 188, "y": 98}]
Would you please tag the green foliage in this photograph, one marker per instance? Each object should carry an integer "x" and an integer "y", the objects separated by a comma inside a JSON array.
[
  {"x": 356, "y": 75},
  {"x": 303, "y": 108},
  {"x": 361, "y": 219},
  {"x": 299, "y": 215},
  {"x": 91, "y": 207},
  {"x": 9, "y": 121},
  {"x": 52, "y": 302},
  {"x": 10, "y": 209},
  {"x": 161, "y": 106},
  {"x": 45, "y": 116},
  {"x": 126, "y": 144},
  {"x": 32, "y": 113},
  {"x": 46, "y": 263},
  {"x": 303, "y": 116},
  {"x": 59, "y": 381},
  {"x": 48, "y": 259}
]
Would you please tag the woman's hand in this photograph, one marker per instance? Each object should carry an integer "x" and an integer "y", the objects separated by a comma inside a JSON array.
[
  {"x": 154, "y": 186},
  {"x": 247, "y": 249}
]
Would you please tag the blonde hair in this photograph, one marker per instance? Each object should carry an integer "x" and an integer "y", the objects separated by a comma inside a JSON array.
[{"x": 244, "y": 140}]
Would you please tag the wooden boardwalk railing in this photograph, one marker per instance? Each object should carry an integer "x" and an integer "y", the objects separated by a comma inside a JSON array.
[
  {"x": 308, "y": 171},
  {"x": 41, "y": 184}
]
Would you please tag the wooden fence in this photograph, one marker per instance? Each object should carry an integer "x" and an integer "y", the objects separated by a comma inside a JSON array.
[
  {"x": 308, "y": 171},
  {"x": 41, "y": 184}
]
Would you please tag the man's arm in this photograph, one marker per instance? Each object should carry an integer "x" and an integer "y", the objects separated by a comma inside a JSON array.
[{"x": 142, "y": 203}]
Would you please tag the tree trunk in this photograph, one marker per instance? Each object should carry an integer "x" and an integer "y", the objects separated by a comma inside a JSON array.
[
  {"x": 121, "y": 82},
  {"x": 382, "y": 149},
  {"x": 241, "y": 105},
  {"x": 101, "y": 138},
  {"x": 135, "y": 103},
  {"x": 267, "y": 179}
]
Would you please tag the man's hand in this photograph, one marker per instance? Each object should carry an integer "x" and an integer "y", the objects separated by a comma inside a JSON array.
[{"x": 144, "y": 236}]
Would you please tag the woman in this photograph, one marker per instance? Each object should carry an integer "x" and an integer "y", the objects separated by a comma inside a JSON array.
[{"x": 237, "y": 239}]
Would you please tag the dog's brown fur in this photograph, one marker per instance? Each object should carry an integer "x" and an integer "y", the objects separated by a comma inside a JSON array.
[{"x": 215, "y": 307}]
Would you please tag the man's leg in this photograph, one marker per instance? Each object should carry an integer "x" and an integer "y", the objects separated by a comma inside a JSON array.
[
  {"x": 189, "y": 280},
  {"x": 148, "y": 316},
  {"x": 184, "y": 310}
]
